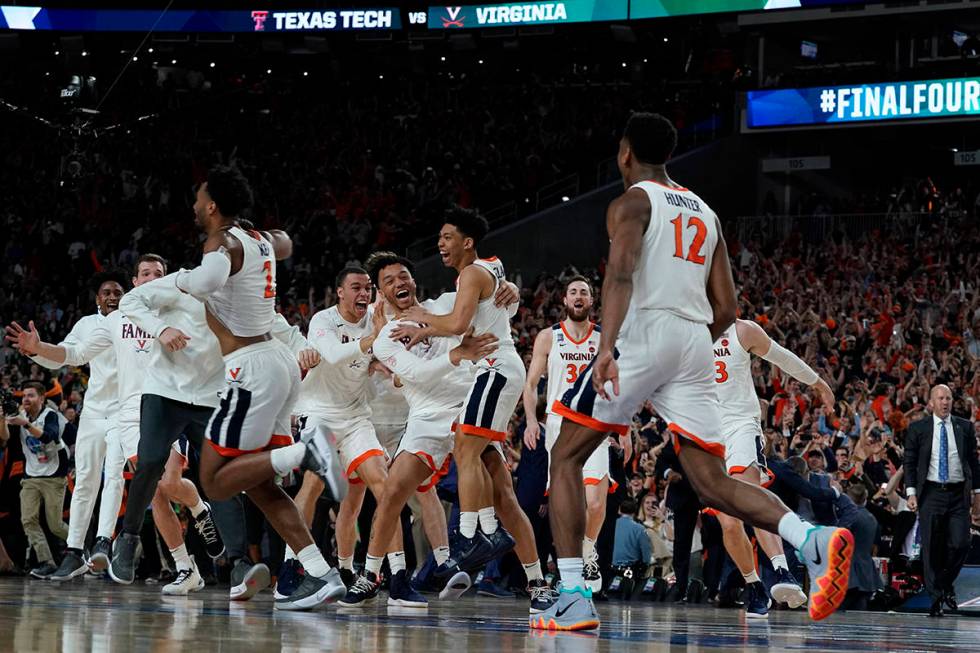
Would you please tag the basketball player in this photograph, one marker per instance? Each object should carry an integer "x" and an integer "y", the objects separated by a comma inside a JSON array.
[
  {"x": 485, "y": 484},
  {"x": 101, "y": 402},
  {"x": 564, "y": 351},
  {"x": 435, "y": 385},
  {"x": 667, "y": 295},
  {"x": 743, "y": 438},
  {"x": 236, "y": 279},
  {"x": 336, "y": 396},
  {"x": 131, "y": 348}
]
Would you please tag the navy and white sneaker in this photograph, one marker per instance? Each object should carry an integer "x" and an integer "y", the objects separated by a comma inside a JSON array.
[
  {"x": 401, "y": 593},
  {"x": 502, "y": 543},
  {"x": 348, "y": 576},
  {"x": 321, "y": 459},
  {"x": 787, "y": 590},
  {"x": 289, "y": 578},
  {"x": 757, "y": 601},
  {"x": 466, "y": 554},
  {"x": 542, "y": 595},
  {"x": 456, "y": 586},
  {"x": 363, "y": 591}
]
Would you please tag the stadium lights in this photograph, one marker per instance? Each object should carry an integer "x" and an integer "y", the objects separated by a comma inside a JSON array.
[
  {"x": 442, "y": 58},
  {"x": 645, "y": 60},
  {"x": 173, "y": 62},
  {"x": 564, "y": 198},
  {"x": 136, "y": 58},
  {"x": 306, "y": 74},
  {"x": 381, "y": 76},
  {"x": 84, "y": 53},
  {"x": 57, "y": 52},
  {"x": 268, "y": 71},
  {"x": 665, "y": 39},
  {"x": 150, "y": 50},
  {"x": 955, "y": 149},
  {"x": 624, "y": 64},
  {"x": 212, "y": 64},
  {"x": 480, "y": 62}
]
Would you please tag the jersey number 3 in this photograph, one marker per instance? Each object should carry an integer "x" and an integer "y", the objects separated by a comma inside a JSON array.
[
  {"x": 694, "y": 253},
  {"x": 270, "y": 283},
  {"x": 722, "y": 371},
  {"x": 574, "y": 371}
]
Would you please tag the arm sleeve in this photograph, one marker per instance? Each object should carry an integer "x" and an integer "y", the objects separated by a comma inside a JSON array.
[
  {"x": 208, "y": 277},
  {"x": 646, "y": 550},
  {"x": 822, "y": 425},
  {"x": 52, "y": 428},
  {"x": 332, "y": 350},
  {"x": 790, "y": 363},
  {"x": 96, "y": 342},
  {"x": 71, "y": 339},
  {"x": 141, "y": 304},
  {"x": 288, "y": 334},
  {"x": 407, "y": 365}
]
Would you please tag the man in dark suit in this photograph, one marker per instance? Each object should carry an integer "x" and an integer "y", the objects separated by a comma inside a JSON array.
[
  {"x": 942, "y": 477},
  {"x": 683, "y": 501}
]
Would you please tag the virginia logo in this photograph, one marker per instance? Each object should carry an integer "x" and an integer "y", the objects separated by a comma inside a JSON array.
[
  {"x": 234, "y": 373},
  {"x": 454, "y": 20}
]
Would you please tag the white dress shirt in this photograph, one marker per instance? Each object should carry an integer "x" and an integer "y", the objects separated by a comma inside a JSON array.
[{"x": 955, "y": 467}]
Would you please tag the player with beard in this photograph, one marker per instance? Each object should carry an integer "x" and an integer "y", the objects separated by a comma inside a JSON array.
[
  {"x": 101, "y": 403},
  {"x": 435, "y": 385},
  {"x": 565, "y": 351}
]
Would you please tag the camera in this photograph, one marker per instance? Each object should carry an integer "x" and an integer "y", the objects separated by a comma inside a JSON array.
[{"x": 9, "y": 403}]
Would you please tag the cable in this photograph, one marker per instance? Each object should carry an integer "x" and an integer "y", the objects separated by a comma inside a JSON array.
[{"x": 136, "y": 52}]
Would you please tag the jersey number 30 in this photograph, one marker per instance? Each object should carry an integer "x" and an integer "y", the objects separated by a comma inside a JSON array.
[
  {"x": 574, "y": 371},
  {"x": 694, "y": 253},
  {"x": 270, "y": 283}
]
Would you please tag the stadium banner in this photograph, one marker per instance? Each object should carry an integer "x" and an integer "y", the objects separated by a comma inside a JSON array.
[
  {"x": 527, "y": 13},
  {"x": 179, "y": 20},
  {"x": 825, "y": 105},
  {"x": 664, "y": 8}
]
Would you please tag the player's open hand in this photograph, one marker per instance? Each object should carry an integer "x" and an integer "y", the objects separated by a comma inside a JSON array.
[
  {"x": 377, "y": 367},
  {"x": 27, "y": 342},
  {"x": 531, "y": 432},
  {"x": 378, "y": 318},
  {"x": 474, "y": 348},
  {"x": 173, "y": 339},
  {"x": 308, "y": 358},
  {"x": 605, "y": 369}
]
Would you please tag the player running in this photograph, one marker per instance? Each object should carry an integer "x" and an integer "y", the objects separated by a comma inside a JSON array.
[{"x": 668, "y": 294}]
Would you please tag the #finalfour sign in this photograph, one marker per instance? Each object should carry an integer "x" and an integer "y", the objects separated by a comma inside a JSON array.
[{"x": 939, "y": 98}]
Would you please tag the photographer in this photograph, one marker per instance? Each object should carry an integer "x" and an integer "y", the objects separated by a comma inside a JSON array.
[{"x": 46, "y": 464}]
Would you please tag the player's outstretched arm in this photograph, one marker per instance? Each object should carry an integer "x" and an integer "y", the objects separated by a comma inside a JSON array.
[
  {"x": 756, "y": 341},
  {"x": 721, "y": 288},
  {"x": 539, "y": 363}
]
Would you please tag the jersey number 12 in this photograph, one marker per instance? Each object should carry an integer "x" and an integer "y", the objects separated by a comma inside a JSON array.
[
  {"x": 694, "y": 253},
  {"x": 270, "y": 283}
]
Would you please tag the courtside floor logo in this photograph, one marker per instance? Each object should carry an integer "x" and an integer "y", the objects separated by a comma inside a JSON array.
[{"x": 939, "y": 98}]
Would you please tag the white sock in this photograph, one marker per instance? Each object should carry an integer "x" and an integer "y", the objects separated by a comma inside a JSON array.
[
  {"x": 588, "y": 548},
  {"x": 751, "y": 577},
  {"x": 181, "y": 558},
  {"x": 441, "y": 554},
  {"x": 313, "y": 562},
  {"x": 793, "y": 529},
  {"x": 198, "y": 509},
  {"x": 467, "y": 524},
  {"x": 346, "y": 562},
  {"x": 571, "y": 572},
  {"x": 286, "y": 459},
  {"x": 533, "y": 571},
  {"x": 290, "y": 554},
  {"x": 488, "y": 520},
  {"x": 779, "y": 562},
  {"x": 372, "y": 565},
  {"x": 396, "y": 560}
]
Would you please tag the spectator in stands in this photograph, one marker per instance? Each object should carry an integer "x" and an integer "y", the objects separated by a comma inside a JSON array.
[{"x": 632, "y": 545}]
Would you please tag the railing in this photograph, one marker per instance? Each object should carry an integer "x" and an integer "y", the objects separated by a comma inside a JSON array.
[{"x": 819, "y": 227}]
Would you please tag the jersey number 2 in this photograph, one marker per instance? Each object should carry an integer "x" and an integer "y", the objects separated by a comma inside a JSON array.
[
  {"x": 270, "y": 284},
  {"x": 694, "y": 253}
]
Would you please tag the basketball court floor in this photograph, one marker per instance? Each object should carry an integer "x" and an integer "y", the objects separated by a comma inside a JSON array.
[{"x": 93, "y": 615}]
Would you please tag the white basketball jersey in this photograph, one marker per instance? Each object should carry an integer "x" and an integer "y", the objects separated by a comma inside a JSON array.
[
  {"x": 344, "y": 388},
  {"x": 675, "y": 259},
  {"x": 733, "y": 378},
  {"x": 246, "y": 304},
  {"x": 568, "y": 359},
  {"x": 488, "y": 317}
]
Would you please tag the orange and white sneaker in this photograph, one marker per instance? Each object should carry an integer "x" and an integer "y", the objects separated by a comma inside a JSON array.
[
  {"x": 572, "y": 611},
  {"x": 827, "y": 554}
]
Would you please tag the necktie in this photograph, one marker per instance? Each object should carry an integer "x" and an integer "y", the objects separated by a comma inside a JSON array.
[{"x": 943, "y": 453}]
